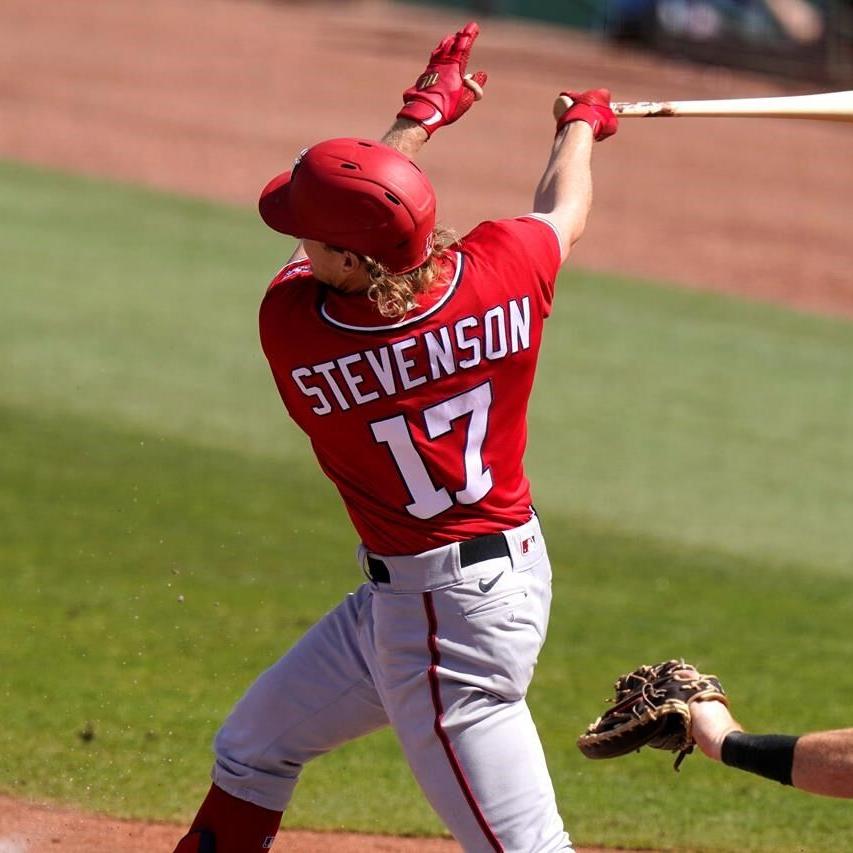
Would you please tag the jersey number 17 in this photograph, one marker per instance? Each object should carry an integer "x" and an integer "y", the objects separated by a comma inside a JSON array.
[{"x": 427, "y": 499}]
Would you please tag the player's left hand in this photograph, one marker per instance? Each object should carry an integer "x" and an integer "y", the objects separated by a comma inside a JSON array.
[
  {"x": 444, "y": 91},
  {"x": 592, "y": 106}
]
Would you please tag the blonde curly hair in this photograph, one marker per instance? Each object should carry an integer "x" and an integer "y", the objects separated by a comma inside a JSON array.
[{"x": 394, "y": 294}]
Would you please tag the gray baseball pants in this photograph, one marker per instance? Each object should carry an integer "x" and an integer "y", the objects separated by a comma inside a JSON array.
[{"x": 445, "y": 663}]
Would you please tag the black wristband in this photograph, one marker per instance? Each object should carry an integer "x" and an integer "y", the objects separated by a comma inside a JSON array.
[{"x": 771, "y": 756}]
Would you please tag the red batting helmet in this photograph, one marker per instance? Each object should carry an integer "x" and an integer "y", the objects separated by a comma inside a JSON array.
[{"x": 359, "y": 195}]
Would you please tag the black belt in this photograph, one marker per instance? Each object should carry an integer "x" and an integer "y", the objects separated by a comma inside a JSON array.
[{"x": 471, "y": 551}]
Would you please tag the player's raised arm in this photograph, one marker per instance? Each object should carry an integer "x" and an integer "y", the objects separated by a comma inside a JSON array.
[
  {"x": 445, "y": 90},
  {"x": 440, "y": 95},
  {"x": 564, "y": 194}
]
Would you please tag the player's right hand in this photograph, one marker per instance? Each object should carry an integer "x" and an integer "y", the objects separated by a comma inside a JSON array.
[
  {"x": 592, "y": 106},
  {"x": 444, "y": 91}
]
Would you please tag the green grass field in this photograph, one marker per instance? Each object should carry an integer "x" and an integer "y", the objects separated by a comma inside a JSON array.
[{"x": 166, "y": 532}]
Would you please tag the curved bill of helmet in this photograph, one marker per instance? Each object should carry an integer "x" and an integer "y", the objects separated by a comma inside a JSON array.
[
  {"x": 274, "y": 208},
  {"x": 358, "y": 195}
]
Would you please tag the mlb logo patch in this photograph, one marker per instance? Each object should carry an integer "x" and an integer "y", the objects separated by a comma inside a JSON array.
[{"x": 527, "y": 544}]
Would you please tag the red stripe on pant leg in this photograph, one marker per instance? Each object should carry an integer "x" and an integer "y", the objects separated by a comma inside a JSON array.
[{"x": 458, "y": 772}]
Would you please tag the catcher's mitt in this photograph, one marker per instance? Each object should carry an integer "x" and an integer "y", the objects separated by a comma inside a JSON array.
[{"x": 651, "y": 708}]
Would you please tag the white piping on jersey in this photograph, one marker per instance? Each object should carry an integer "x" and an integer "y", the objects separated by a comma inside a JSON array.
[
  {"x": 550, "y": 224},
  {"x": 400, "y": 324}
]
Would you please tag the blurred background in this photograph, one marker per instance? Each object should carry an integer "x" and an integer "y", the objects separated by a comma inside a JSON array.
[
  {"x": 806, "y": 39},
  {"x": 213, "y": 97}
]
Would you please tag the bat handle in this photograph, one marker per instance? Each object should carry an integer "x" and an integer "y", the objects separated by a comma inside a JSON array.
[
  {"x": 643, "y": 108},
  {"x": 620, "y": 108}
]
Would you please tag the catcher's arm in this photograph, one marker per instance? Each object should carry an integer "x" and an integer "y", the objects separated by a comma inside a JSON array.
[
  {"x": 823, "y": 763},
  {"x": 820, "y": 762}
]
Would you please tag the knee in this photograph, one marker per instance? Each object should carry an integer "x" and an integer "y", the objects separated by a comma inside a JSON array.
[{"x": 240, "y": 753}]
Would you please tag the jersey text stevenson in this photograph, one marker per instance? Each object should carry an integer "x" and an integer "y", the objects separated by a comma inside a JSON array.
[{"x": 363, "y": 376}]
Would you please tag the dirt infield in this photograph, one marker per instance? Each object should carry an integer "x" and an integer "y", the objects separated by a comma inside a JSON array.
[
  {"x": 26, "y": 827},
  {"x": 211, "y": 97}
]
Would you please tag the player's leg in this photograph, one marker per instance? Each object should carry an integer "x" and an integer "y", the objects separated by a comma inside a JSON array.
[
  {"x": 226, "y": 823},
  {"x": 197, "y": 842},
  {"x": 316, "y": 697},
  {"x": 453, "y": 667},
  {"x": 489, "y": 780}
]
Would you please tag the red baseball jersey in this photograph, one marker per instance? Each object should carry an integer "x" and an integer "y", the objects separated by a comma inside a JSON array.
[{"x": 421, "y": 423}]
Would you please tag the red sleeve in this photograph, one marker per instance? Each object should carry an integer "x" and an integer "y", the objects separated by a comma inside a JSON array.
[
  {"x": 275, "y": 305},
  {"x": 289, "y": 295},
  {"x": 292, "y": 271},
  {"x": 525, "y": 250}
]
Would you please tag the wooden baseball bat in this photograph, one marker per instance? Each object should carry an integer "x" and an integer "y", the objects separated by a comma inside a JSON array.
[{"x": 828, "y": 106}]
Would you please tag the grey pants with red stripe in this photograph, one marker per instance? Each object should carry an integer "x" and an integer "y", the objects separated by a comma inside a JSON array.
[{"x": 444, "y": 653}]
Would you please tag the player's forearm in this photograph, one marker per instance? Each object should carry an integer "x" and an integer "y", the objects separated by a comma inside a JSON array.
[
  {"x": 564, "y": 194},
  {"x": 406, "y": 136},
  {"x": 823, "y": 763}
]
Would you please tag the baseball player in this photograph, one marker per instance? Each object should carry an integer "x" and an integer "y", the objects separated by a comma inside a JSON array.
[
  {"x": 407, "y": 356},
  {"x": 819, "y": 762}
]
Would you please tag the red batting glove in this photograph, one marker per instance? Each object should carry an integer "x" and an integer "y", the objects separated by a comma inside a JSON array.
[
  {"x": 593, "y": 107},
  {"x": 440, "y": 95}
]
